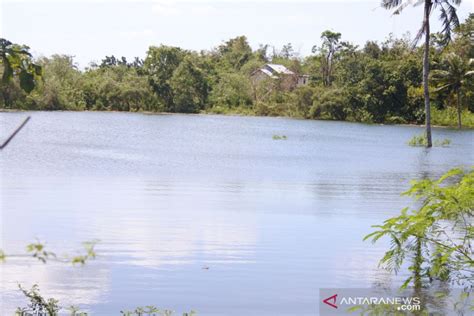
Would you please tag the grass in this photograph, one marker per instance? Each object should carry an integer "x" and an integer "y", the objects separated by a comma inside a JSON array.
[
  {"x": 421, "y": 141},
  {"x": 280, "y": 137}
]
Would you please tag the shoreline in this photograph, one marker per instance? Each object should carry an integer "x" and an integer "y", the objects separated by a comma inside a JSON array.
[{"x": 239, "y": 115}]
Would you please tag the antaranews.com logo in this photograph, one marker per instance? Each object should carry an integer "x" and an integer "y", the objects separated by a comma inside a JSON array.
[
  {"x": 344, "y": 301},
  {"x": 392, "y": 301}
]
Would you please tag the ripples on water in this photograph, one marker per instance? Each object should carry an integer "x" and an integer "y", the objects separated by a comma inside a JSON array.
[{"x": 273, "y": 220}]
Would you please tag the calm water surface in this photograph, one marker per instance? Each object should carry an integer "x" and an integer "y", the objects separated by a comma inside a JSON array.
[{"x": 204, "y": 212}]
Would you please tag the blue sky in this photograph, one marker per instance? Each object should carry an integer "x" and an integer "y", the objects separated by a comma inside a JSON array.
[{"x": 89, "y": 29}]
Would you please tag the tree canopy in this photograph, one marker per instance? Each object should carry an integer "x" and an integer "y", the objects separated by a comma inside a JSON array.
[{"x": 378, "y": 82}]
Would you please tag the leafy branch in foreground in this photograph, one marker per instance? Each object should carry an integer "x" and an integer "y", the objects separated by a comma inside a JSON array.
[
  {"x": 152, "y": 311},
  {"x": 16, "y": 61},
  {"x": 437, "y": 238},
  {"x": 38, "y": 250},
  {"x": 89, "y": 247},
  {"x": 40, "y": 306}
]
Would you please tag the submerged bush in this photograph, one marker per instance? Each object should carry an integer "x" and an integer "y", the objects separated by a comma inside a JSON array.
[{"x": 421, "y": 141}]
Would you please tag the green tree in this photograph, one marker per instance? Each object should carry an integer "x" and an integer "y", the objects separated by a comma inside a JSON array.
[
  {"x": 449, "y": 19},
  {"x": 118, "y": 88},
  {"x": 328, "y": 49},
  {"x": 160, "y": 64},
  {"x": 232, "y": 90},
  {"x": 60, "y": 88},
  {"x": 454, "y": 77},
  {"x": 235, "y": 52},
  {"x": 189, "y": 86},
  {"x": 287, "y": 51}
]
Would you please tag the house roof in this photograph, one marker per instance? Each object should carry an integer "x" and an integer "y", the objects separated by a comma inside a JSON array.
[
  {"x": 268, "y": 73},
  {"x": 279, "y": 69}
]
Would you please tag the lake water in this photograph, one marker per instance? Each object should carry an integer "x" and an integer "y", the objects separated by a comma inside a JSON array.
[{"x": 204, "y": 212}]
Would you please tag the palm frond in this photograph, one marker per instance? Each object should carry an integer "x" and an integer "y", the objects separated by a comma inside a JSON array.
[
  {"x": 440, "y": 73},
  {"x": 449, "y": 19},
  {"x": 443, "y": 87},
  {"x": 446, "y": 30},
  {"x": 419, "y": 34},
  {"x": 390, "y": 4},
  {"x": 402, "y": 6}
]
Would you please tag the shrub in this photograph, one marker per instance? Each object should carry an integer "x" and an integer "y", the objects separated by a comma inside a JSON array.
[
  {"x": 232, "y": 90},
  {"x": 421, "y": 141},
  {"x": 329, "y": 104}
]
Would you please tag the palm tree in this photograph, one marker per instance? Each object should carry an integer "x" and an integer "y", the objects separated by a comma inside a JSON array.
[
  {"x": 453, "y": 77},
  {"x": 450, "y": 21}
]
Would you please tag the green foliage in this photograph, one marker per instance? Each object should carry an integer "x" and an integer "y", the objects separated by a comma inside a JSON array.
[
  {"x": 152, "y": 311},
  {"x": 232, "y": 90},
  {"x": 118, "y": 88},
  {"x": 378, "y": 310},
  {"x": 377, "y": 83},
  {"x": 421, "y": 141},
  {"x": 37, "y": 250},
  {"x": 436, "y": 238},
  {"x": 418, "y": 140},
  {"x": 329, "y": 104},
  {"x": 454, "y": 76},
  {"x": 234, "y": 53},
  {"x": 160, "y": 64},
  {"x": 16, "y": 61},
  {"x": 89, "y": 247},
  {"x": 19, "y": 74},
  {"x": 75, "y": 311},
  {"x": 189, "y": 87},
  {"x": 38, "y": 304},
  {"x": 60, "y": 89},
  {"x": 448, "y": 117},
  {"x": 279, "y": 137}
]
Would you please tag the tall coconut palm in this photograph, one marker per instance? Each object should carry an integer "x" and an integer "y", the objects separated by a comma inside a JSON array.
[
  {"x": 453, "y": 77},
  {"x": 449, "y": 20}
]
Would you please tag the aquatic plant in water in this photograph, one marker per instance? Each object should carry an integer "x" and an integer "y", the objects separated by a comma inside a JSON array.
[{"x": 421, "y": 141}]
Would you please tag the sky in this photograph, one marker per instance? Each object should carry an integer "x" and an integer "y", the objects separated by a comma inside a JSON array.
[{"x": 92, "y": 29}]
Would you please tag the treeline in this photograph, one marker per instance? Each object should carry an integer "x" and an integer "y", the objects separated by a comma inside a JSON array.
[{"x": 378, "y": 82}]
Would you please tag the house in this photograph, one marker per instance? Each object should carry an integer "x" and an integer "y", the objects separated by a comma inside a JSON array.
[{"x": 289, "y": 80}]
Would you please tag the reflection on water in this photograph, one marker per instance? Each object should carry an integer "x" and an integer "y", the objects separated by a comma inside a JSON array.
[{"x": 204, "y": 212}]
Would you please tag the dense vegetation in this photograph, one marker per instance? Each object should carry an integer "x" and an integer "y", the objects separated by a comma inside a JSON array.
[{"x": 379, "y": 82}]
